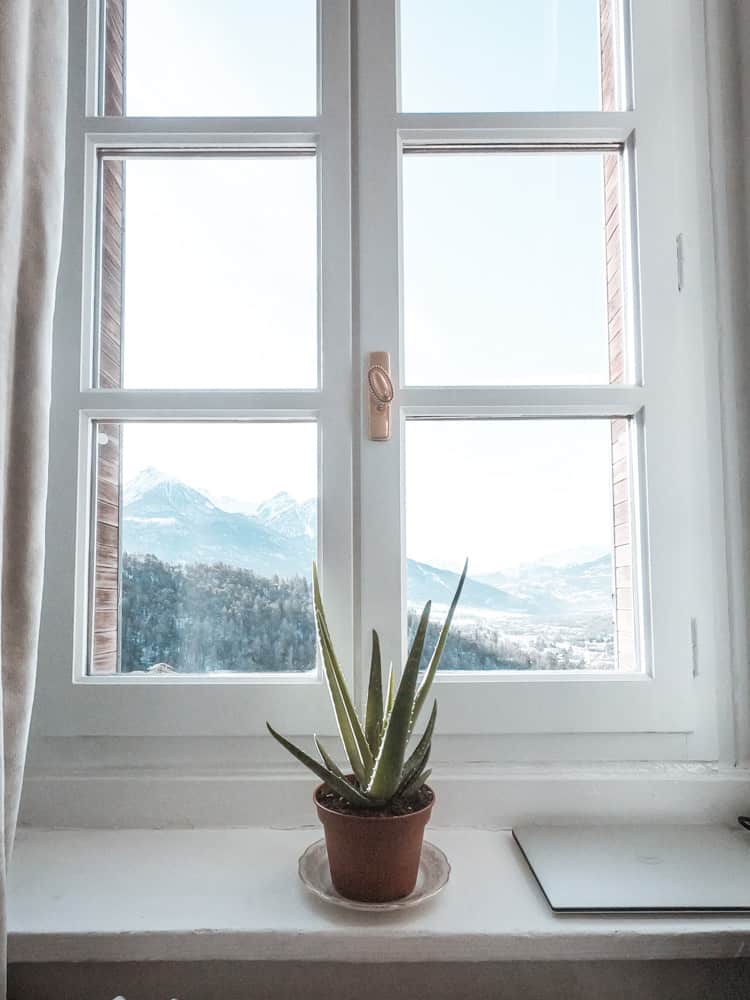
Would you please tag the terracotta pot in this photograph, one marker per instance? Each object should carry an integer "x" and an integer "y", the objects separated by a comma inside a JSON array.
[{"x": 373, "y": 859}]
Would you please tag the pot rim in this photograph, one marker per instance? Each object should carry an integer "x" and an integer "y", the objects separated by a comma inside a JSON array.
[{"x": 363, "y": 815}]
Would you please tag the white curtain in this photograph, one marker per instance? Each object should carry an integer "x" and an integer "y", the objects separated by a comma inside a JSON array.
[{"x": 33, "y": 85}]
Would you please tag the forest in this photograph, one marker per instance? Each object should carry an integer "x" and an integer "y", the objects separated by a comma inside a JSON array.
[
  {"x": 198, "y": 618},
  {"x": 203, "y": 618}
]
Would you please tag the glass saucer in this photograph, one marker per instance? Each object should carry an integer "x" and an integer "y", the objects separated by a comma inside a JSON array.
[{"x": 433, "y": 875}]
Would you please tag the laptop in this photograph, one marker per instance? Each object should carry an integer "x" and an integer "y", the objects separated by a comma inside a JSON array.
[{"x": 639, "y": 869}]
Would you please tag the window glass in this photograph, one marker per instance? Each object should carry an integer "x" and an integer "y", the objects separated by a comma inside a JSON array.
[
  {"x": 503, "y": 55},
  {"x": 509, "y": 268},
  {"x": 205, "y": 535},
  {"x": 542, "y": 510},
  {"x": 171, "y": 58},
  {"x": 208, "y": 273}
]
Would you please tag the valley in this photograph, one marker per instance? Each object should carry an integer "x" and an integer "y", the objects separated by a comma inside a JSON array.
[{"x": 251, "y": 570}]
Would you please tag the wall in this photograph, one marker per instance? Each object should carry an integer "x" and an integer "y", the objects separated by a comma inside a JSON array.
[
  {"x": 728, "y": 71},
  {"x": 690, "y": 980}
]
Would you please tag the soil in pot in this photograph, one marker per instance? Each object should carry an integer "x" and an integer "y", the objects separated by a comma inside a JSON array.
[{"x": 374, "y": 854}]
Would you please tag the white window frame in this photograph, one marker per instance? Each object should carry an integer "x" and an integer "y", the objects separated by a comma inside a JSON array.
[
  {"x": 71, "y": 701},
  {"x": 670, "y": 441},
  {"x": 361, "y": 482}
]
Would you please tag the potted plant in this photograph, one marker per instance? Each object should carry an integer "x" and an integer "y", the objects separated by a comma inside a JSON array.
[{"x": 374, "y": 812}]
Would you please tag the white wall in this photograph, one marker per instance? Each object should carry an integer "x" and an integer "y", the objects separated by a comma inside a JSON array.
[{"x": 728, "y": 71}]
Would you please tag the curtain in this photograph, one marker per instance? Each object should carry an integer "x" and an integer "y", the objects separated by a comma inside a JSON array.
[{"x": 33, "y": 86}]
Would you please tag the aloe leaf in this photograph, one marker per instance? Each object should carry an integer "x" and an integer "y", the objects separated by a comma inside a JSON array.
[
  {"x": 327, "y": 644},
  {"x": 352, "y": 735},
  {"x": 410, "y": 773},
  {"x": 386, "y": 774},
  {"x": 329, "y": 762},
  {"x": 342, "y": 718},
  {"x": 335, "y": 783},
  {"x": 419, "y": 757},
  {"x": 391, "y": 692},
  {"x": 429, "y": 676},
  {"x": 416, "y": 783},
  {"x": 374, "y": 713}
]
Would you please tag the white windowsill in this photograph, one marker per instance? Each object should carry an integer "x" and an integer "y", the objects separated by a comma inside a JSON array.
[{"x": 190, "y": 895}]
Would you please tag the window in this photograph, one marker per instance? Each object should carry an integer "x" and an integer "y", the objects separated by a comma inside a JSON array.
[
  {"x": 520, "y": 195},
  {"x": 495, "y": 204}
]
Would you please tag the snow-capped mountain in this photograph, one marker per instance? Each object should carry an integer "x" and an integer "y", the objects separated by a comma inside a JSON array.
[
  {"x": 166, "y": 518},
  {"x": 231, "y": 504},
  {"x": 429, "y": 583},
  {"x": 146, "y": 480},
  {"x": 577, "y": 586},
  {"x": 290, "y": 518}
]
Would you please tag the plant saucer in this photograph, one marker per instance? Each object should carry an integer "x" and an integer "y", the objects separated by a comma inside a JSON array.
[{"x": 433, "y": 875}]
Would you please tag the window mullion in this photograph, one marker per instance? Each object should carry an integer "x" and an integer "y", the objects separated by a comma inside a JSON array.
[{"x": 382, "y": 588}]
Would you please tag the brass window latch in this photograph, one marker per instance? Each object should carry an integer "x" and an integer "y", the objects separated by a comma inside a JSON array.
[{"x": 380, "y": 391}]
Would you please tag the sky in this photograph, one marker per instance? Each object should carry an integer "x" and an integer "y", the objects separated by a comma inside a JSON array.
[
  {"x": 504, "y": 277},
  {"x": 244, "y": 461}
]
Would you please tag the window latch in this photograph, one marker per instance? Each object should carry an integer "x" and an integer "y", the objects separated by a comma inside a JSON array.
[{"x": 380, "y": 390}]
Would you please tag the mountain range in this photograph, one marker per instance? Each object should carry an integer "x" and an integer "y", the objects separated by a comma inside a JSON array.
[{"x": 176, "y": 523}]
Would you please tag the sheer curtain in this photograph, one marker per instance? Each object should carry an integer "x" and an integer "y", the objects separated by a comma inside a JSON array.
[{"x": 33, "y": 84}]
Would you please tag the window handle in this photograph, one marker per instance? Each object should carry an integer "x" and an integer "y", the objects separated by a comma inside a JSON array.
[{"x": 380, "y": 390}]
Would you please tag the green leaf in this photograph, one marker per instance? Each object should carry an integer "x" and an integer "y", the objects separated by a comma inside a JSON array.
[
  {"x": 329, "y": 762},
  {"x": 416, "y": 784},
  {"x": 419, "y": 757},
  {"x": 386, "y": 774},
  {"x": 335, "y": 783},
  {"x": 342, "y": 718},
  {"x": 411, "y": 774},
  {"x": 429, "y": 676},
  {"x": 350, "y": 729},
  {"x": 374, "y": 713},
  {"x": 390, "y": 695}
]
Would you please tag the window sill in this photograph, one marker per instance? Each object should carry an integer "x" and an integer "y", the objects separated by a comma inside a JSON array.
[{"x": 202, "y": 895}]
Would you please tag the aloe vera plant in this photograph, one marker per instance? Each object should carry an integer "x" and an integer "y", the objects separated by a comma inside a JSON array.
[{"x": 377, "y": 747}]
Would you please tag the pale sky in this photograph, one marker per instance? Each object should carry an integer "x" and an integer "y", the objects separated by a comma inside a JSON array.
[
  {"x": 503, "y": 265},
  {"x": 226, "y": 57},
  {"x": 246, "y": 461},
  {"x": 506, "y": 492},
  {"x": 220, "y": 285},
  {"x": 500, "y": 55},
  {"x": 504, "y": 269}
]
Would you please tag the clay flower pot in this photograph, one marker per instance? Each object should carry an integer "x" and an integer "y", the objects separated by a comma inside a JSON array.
[{"x": 373, "y": 859}]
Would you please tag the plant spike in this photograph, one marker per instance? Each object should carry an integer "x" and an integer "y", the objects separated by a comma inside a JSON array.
[
  {"x": 416, "y": 784},
  {"x": 374, "y": 713},
  {"x": 342, "y": 719},
  {"x": 418, "y": 759},
  {"x": 337, "y": 687},
  {"x": 386, "y": 774},
  {"x": 329, "y": 762},
  {"x": 377, "y": 750},
  {"x": 429, "y": 676},
  {"x": 391, "y": 692},
  {"x": 343, "y": 788},
  {"x": 352, "y": 735},
  {"x": 408, "y": 775}
]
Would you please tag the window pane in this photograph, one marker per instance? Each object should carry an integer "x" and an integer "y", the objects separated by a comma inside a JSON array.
[
  {"x": 226, "y": 57},
  {"x": 506, "y": 55},
  {"x": 205, "y": 535},
  {"x": 512, "y": 268},
  {"x": 208, "y": 272},
  {"x": 542, "y": 510}
]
